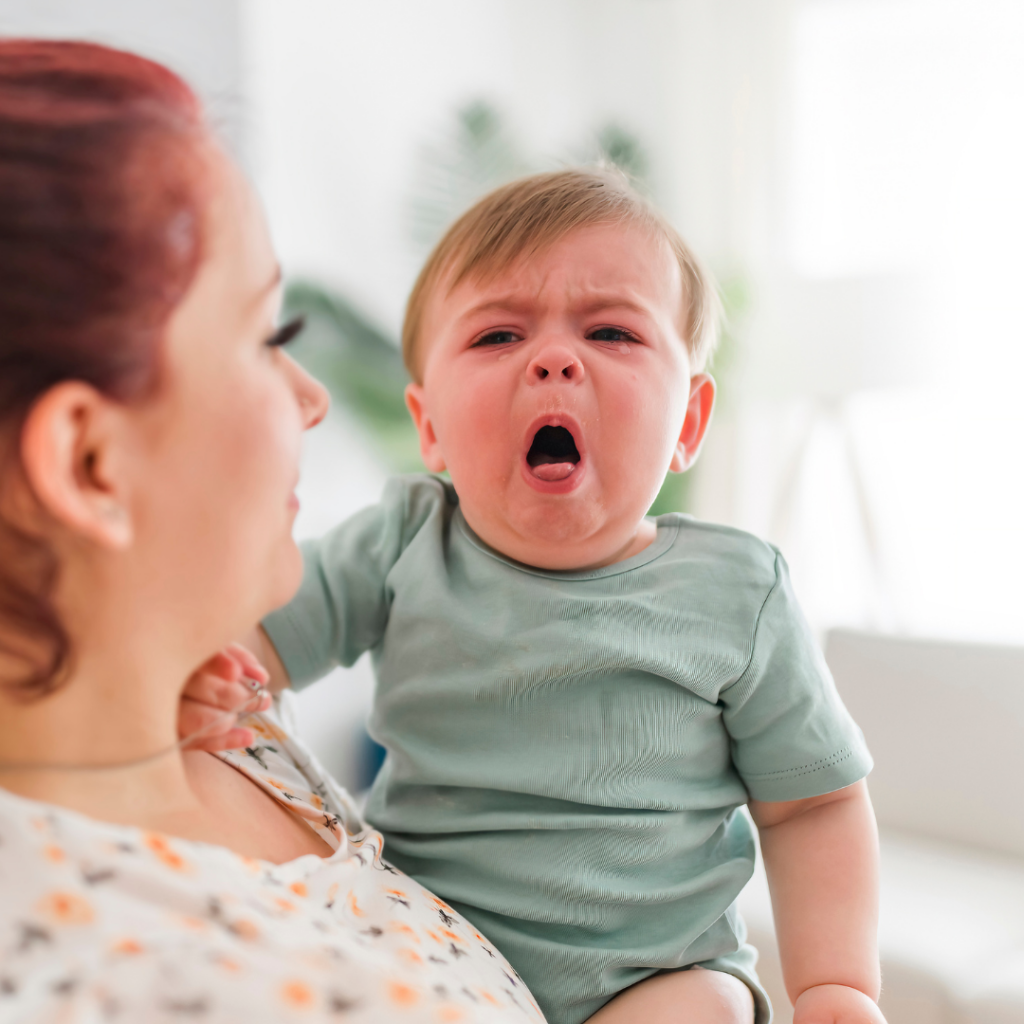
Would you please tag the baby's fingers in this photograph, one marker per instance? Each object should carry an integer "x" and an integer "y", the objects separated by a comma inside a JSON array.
[
  {"x": 248, "y": 664},
  {"x": 836, "y": 1004},
  {"x": 207, "y": 728}
]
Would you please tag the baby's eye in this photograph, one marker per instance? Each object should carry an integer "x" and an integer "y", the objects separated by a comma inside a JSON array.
[
  {"x": 611, "y": 334},
  {"x": 496, "y": 338}
]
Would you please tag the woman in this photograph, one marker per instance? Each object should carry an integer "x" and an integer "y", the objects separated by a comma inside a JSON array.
[{"x": 150, "y": 424}]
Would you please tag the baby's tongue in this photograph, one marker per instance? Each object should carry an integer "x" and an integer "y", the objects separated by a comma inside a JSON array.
[{"x": 552, "y": 471}]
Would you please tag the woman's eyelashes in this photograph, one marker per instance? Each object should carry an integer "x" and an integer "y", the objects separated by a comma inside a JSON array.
[{"x": 287, "y": 332}]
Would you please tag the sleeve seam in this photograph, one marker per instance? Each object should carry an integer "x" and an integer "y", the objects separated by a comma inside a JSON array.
[
  {"x": 808, "y": 769},
  {"x": 757, "y": 624}
]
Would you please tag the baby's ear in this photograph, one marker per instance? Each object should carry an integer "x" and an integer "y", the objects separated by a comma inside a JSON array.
[
  {"x": 698, "y": 416},
  {"x": 430, "y": 450}
]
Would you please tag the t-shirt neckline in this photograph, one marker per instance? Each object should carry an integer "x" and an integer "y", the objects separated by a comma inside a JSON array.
[{"x": 668, "y": 528}]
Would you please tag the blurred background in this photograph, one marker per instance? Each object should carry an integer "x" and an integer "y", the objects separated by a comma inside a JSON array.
[{"x": 851, "y": 171}]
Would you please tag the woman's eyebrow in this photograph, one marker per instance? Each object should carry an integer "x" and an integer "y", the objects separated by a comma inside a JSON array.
[{"x": 275, "y": 280}]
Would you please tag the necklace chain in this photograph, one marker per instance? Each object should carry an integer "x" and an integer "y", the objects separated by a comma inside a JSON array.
[{"x": 250, "y": 705}]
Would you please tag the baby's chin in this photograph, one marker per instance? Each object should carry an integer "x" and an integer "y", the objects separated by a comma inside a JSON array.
[{"x": 557, "y": 535}]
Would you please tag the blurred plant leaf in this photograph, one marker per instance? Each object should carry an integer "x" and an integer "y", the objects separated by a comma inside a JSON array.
[
  {"x": 361, "y": 367},
  {"x": 676, "y": 492},
  {"x": 476, "y": 155}
]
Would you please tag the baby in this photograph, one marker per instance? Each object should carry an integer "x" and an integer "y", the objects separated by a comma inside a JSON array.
[{"x": 576, "y": 700}]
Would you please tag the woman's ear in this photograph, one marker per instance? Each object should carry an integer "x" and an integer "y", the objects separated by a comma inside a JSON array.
[
  {"x": 698, "y": 416},
  {"x": 71, "y": 450},
  {"x": 430, "y": 450}
]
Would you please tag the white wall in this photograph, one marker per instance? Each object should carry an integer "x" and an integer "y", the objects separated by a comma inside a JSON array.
[
  {"x": 345, "y": 93},
  {"x": 199, "y": 39}
]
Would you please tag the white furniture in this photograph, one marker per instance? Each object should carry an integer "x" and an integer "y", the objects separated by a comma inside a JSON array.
[{"x": 945, "y": 724}]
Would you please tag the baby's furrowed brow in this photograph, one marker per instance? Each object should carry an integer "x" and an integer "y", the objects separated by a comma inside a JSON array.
[{"x": 511, "y": 304}]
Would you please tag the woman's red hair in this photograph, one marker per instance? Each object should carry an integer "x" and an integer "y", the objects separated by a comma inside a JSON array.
[{"x": 100, "y": 236}]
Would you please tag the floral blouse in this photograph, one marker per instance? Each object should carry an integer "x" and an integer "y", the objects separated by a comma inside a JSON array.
[{"x": 102, "y": 922}]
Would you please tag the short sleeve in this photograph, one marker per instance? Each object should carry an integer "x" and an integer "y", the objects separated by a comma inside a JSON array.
[
  {"x": 791, "y": 735},
  {"x": 341, "y": 608}
]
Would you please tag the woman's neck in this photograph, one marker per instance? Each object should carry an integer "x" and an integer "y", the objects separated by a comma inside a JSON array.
[{"x": 118, "y": 710}]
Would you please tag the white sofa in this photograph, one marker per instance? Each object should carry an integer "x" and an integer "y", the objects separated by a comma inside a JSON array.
[{"x": 945, "y": 723}]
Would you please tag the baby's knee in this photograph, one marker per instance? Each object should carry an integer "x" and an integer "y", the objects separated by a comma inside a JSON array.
[
  {"x": 724, "y": 998},
  {"x": 696, "y": 996}
]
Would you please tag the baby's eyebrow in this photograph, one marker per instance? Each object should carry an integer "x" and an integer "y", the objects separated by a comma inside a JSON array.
[
  {"x": 509, "y": 304},
  {"x": 593, "y": 303},
  {"x": 590, "y": 303}
]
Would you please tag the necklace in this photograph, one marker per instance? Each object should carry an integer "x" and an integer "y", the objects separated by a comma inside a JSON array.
[{"x": 250, "y": 705}]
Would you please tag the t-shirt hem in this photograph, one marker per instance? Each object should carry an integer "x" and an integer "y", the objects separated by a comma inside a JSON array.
[{"x": 841, "y": 769}]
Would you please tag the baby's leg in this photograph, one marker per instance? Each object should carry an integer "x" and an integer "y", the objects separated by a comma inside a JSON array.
[{"x": 696, "y": 996}]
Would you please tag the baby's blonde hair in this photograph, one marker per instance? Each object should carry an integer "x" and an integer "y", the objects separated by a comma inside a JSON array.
[{"x": 525, "y": 217}]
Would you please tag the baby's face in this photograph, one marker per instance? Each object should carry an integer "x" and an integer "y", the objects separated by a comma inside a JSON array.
[{"x": 559, "y": 394}]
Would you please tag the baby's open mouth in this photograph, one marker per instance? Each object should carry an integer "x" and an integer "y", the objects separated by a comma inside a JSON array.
[{"x": 553, "y": 454}]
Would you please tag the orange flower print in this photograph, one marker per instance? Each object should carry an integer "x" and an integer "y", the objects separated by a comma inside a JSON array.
[
  {"x": 299, "y": 888},
  {"x": 297, "y": 995},
  {"x": 402, "y": 994},
  {"x": 54, "y": 854},
  {"x": 449, "y": 1014},
  {"x": 164, "y": 852},
  {"x": 454, "y": 936},
  {"x": 488, "y": 998},
  {"x": 66, "y": 908},
  {"x": 354, "y": 906},
  {"x": 404, "y": 929},
  {"x": 127, "y": 947},
  {"x": 245, "y": 929},
  {"x": 410, "y": 955},
  {"x": 284, "y": 905}
]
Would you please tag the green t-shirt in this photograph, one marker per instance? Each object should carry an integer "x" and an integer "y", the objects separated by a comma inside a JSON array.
[{"x": 566, "y": 751}]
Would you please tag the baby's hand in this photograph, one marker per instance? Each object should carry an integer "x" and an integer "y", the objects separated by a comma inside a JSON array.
[
  {"x": 836, "y": 1004},
  {"x": 215, "y": 696}
]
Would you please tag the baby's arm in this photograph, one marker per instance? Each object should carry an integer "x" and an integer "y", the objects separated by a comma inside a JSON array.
[
  {"x": 821, "y": 856},
  {"x": 266, "y": 653}
]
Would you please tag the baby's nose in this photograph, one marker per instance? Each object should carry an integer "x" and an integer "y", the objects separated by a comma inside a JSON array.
[{"x": 555, "y": 363}]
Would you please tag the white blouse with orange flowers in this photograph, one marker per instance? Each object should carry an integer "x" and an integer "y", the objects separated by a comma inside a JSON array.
[{"x": 102, "y": 922}]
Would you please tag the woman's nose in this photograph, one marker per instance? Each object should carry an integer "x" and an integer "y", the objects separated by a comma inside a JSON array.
[
  {"x": 314, "y": 398},
  {"x": 555, "y": 363}
]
